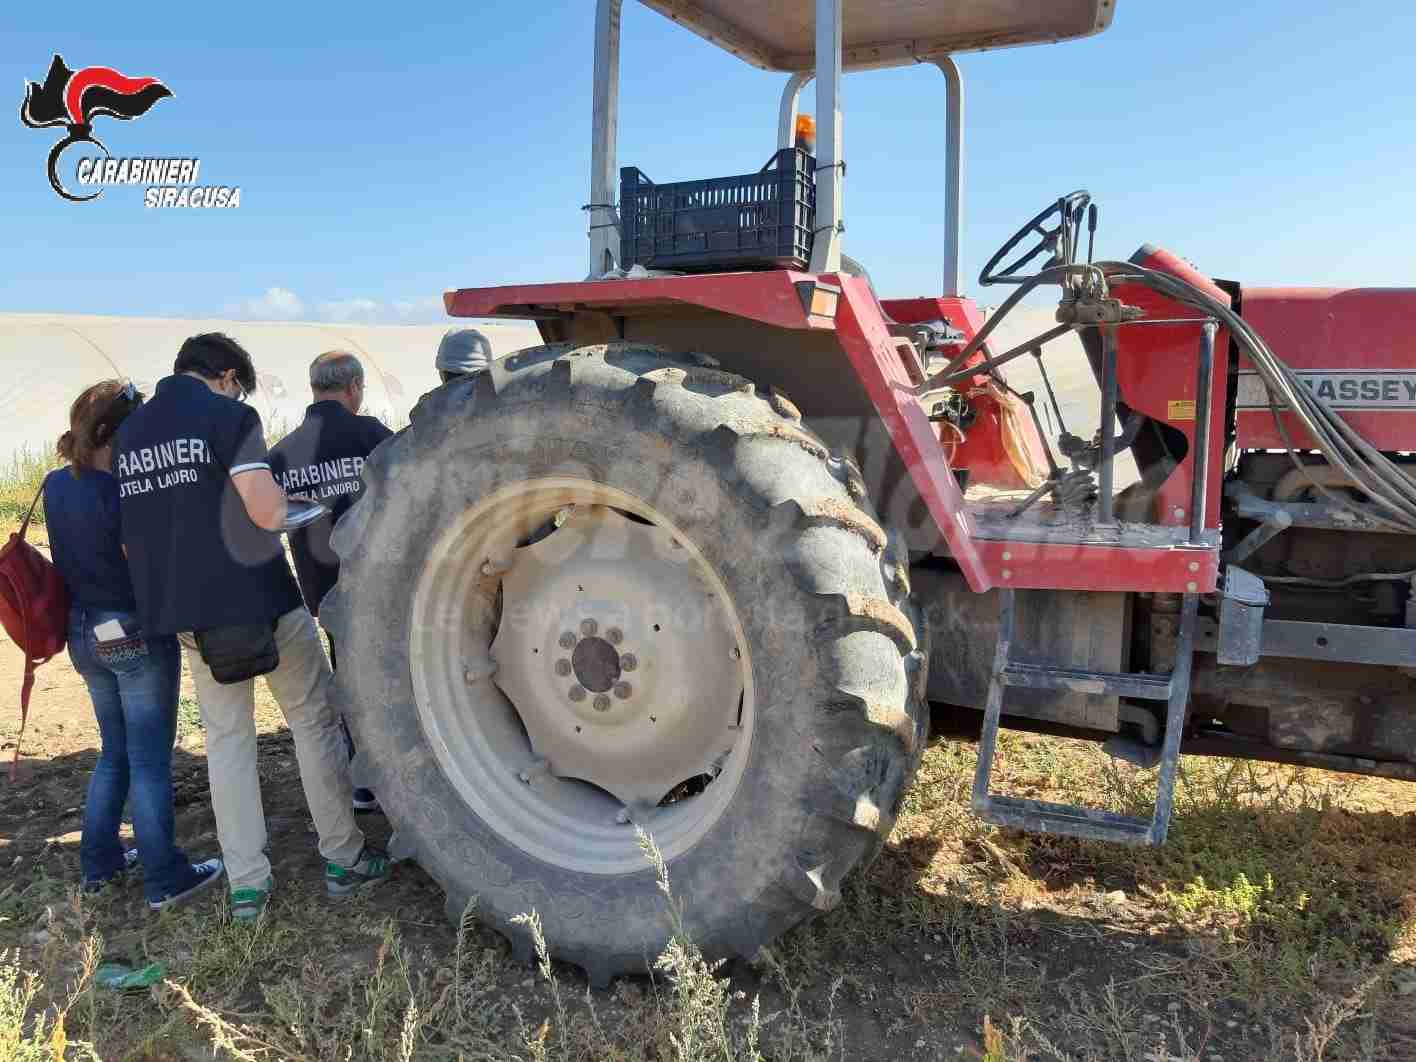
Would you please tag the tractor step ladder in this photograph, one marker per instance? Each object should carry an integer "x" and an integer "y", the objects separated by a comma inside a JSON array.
[{"x": 1068, "y": 820}]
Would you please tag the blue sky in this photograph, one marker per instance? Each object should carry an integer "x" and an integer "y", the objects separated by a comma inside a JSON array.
[{"x": 383, "y": 158}]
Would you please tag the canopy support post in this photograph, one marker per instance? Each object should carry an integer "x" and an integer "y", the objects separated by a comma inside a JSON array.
[
  {"x": 787, "y": 111},
  {"x": 604, "y": 131},
  {"x": 826, "y": 247},
  {"x": 953, "y": 174},
  {"x": 953, "y": 159}
]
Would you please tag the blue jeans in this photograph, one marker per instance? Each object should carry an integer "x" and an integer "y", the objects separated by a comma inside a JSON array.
[{"x": 133, "y": 685}]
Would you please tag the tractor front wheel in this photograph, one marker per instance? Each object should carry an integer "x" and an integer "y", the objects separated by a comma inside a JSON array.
[{"x": 608, "y": 587}]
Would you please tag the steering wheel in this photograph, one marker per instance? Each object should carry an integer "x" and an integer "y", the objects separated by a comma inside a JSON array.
[{"x": 1058, "y": 229}]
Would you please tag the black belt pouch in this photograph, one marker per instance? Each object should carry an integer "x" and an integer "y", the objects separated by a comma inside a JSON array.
[{"x": 239, "y": 651}]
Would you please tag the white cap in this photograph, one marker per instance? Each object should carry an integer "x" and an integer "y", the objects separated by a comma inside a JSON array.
[{"x": 463, "y": 350}]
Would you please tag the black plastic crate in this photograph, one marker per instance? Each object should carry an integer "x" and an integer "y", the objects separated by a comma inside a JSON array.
[{"x": 761, "y": 220}]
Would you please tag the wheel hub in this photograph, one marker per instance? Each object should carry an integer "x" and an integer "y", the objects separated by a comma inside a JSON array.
[
  {"x": 617, "y": 656},
  {"x": 596, "y": 664},
  {"x": 529, "y": 568}
]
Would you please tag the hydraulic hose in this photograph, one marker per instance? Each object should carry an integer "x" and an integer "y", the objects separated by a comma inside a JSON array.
[{"x": 1371, "y": 471}]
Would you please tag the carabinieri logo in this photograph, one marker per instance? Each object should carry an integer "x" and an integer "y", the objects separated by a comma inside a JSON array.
[{"x": 74, "y": 100}]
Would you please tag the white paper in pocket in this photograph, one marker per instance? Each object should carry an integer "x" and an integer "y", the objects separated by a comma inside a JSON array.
[{"x": 110, "y": 631}]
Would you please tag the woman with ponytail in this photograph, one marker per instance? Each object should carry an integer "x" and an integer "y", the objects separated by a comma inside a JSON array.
[{"x": 132, "y": 678}]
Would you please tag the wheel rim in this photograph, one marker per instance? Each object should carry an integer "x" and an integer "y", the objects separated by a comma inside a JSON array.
[{"x": 579, "y": 667}]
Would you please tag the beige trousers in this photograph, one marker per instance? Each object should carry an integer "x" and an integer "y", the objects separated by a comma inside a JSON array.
[{"x": 301, "y": 688}]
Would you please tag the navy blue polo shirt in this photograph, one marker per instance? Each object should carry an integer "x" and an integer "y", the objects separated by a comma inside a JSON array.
[
  {"x": 323, "y": 459},
  {"x": 196, "y": 559},
  {"x": 81, "y": 516}
]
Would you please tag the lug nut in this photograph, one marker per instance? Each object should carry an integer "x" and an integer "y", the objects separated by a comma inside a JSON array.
[
  {"x": 623, "y": 690},
  {"x": 614, "y": 636},
  {"x": 601, "y": 702},
  {"x": 567, "y": 640},
  {"x": 577, "y": 693},
  {"x": 589, "y": 627},
  {"x": 562, "y": 667},
  {"x": 628, "y": 662}
]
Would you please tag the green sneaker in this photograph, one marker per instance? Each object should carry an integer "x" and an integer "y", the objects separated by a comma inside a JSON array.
[
  {"x": 247, "y": 904},
  {"x": 370, "y": 868}
]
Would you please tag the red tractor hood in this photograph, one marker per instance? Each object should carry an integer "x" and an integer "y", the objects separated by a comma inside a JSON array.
[{"x": 1354, "y": 347}]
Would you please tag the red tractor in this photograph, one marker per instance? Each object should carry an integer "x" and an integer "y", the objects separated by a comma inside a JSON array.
[{"x": 681, "y": 567}]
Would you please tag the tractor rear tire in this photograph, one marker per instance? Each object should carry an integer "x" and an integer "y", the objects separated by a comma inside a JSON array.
[{"x": 812, "y": 594}]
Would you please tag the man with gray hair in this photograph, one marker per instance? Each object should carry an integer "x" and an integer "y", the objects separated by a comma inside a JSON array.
[
  {"x": 462, "y": 352},
  {"x": 323, "y": 459}
]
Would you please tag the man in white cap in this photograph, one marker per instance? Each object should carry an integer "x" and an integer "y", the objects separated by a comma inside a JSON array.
[{"x": 462, "y": 352}]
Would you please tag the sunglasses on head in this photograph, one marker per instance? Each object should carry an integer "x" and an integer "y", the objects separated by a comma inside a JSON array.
[{"x": 241, "y": 393}]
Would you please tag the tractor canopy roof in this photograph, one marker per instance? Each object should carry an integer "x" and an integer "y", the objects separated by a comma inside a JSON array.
[{"x": 780, "y": 34}]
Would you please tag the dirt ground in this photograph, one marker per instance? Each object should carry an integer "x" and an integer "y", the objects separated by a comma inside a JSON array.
[
  {"x": 61, "y": 745},
  {"x": 1278, "y": 923}
]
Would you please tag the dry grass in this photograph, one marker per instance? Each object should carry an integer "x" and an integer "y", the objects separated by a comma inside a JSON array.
[
  {"x": 1279, "y": 922},
  {"x": 1276, "y": 923},
  {"x": 20, "y": 482},
  {"x": 311, "y": 981},
  {"x": 34, "y": 1021}
]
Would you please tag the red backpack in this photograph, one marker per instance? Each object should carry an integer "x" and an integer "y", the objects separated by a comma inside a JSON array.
[{"x": 34, "y": 610}]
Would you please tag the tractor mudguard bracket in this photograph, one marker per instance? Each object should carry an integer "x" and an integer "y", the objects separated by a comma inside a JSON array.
[
  {"x": 1121, "y": 557},
  {"x": 871, "y": 350}
]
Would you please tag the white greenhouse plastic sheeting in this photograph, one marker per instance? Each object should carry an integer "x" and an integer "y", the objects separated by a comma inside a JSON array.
[
  {"x": 1070, "y": 373},
  {"x": 1067, "y": 367},
  {"x": 49, "y": 358}
]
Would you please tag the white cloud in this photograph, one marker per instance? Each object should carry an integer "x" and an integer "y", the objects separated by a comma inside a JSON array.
[
  {"x": 282, "y": 304},
  {"x": 428, "y": 308},
  {"x": 362, "y": 311},
  {"x": 277, "y": 304}
]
